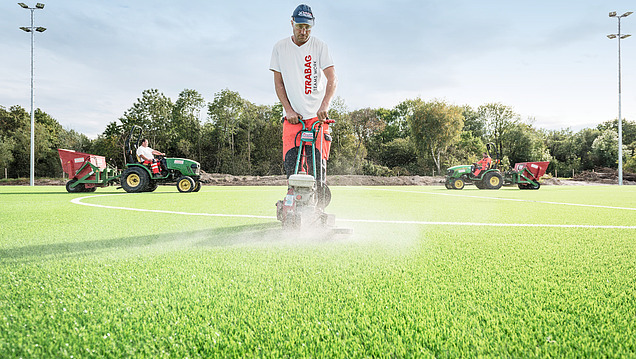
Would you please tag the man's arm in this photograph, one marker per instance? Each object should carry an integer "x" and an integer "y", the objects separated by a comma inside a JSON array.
[
  {"x": 281, "y": 92},
  {"x": 332, "y": 83}
]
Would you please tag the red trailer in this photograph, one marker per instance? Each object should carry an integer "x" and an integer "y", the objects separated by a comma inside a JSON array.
[
  {"x": 527, "y": 174},
  {"x": 86, "y": 172}
]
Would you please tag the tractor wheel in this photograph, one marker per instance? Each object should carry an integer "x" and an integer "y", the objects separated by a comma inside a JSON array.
[
  {"x": 523, "y": 186},
  {"x": 197, "y": 187},
  {"x": 479, "y": 184},
  {"x": 185, "y": 184},
  {"x": 457, "y": 183},
  {"x": 77, "y": 189},
  {"x": 135, "y": 180},
  {"x": 534, "y": 185},
  {"x": 152, "y": 186},
  {"x": 493, "y": 180},
  {"x": 447, "y": 184}
]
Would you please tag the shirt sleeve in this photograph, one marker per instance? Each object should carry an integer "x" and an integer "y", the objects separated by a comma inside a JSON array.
[
  {"x": 274, "y": 63},
  {"x": 325, "y": 57}
]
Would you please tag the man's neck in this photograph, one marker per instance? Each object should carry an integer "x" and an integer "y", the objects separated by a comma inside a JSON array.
[{"x": 296, "y": 42}]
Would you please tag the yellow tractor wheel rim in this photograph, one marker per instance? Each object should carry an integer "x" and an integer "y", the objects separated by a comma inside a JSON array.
[
  {"x": 459, "y": 184},
  {"x": 185, "y": 185},
  {"x": 494, "y": 181},
  {"x": 133, "y": 180}
]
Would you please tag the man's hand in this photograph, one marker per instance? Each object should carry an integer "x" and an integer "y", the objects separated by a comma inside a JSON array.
[
  {"x": 323, "y": 113},
  {"x": 293, "y": 117}
]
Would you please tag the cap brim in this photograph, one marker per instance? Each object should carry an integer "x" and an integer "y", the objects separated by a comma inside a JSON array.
[{"x": 303, "y": 20}]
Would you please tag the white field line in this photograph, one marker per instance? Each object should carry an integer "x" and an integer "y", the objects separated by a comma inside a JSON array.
[
  {"x": 79, "y": 201},
  {"x": 504, "y": 199}
]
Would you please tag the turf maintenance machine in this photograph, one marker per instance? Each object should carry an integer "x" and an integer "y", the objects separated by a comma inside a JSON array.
[
  {"x": 308, "y": 194},
  {"x": 86, "y": 172},
  {"x": 137, "y": 177},
  {"x": 525, "y": 175}
]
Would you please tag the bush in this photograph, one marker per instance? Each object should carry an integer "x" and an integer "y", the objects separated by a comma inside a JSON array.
[{"x": 371, "y": 169}]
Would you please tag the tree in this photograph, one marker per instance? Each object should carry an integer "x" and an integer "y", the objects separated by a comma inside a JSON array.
[
  {"x": 524, "y": 144},
  {"x": 110, "y": 144},
  {"x": 6, "y": 152},
  {"x": 266, "y": 153},
  {"x": 400, "y": 153},
  {"x": 343, "y": 144},
  {"x": 474, "y": 123},
  {"x": 605, "y": 148},
  {"x": 435, "y": 126},
  {"x": 225, "y": 113},
  {"x": 152, "y": 113},
  {"x": 584, "y": 140},
  {"x": 365, "y": 123},
  {"x": 498, "y": 120},
  {"x": 186, "y": 124},
  {"x": 628, "y": 129},
  {"x": 466, "y": 150}
]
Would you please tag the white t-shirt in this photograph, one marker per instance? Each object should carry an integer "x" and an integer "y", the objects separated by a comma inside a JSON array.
[
  {"x": 302, "y": 69},
  {"x": 146, "y": 151}
]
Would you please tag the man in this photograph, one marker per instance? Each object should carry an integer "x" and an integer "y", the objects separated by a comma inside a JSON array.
[
  {"x": 305, "y": 82},
  {"x": 483, "y": 164},
  {"x": 147, "y": 157}
]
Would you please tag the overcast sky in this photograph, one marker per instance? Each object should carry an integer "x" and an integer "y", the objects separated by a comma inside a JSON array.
[{"x": 547, "y": 59}]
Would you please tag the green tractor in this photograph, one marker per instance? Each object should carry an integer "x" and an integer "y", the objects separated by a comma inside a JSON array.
[
  {"x": 139, "y": 178},
  {"x": 491, "y": 178}
]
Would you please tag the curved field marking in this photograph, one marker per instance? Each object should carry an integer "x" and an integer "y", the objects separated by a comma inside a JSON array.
[
  {"x": 504, "y": 199},
  {"x": 79, "y": 201}
]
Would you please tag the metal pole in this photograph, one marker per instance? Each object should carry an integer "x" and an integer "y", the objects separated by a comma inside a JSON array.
[
  {"x": 620, "y": 118},
  {"x": 32, "y": 30},
  {"x": 31, "y": 181}
]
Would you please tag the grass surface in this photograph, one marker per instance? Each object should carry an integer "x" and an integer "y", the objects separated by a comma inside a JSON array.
[{"x": 88, "y": 281}]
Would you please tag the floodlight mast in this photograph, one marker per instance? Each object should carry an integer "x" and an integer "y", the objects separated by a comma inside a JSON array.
[
  {"x": 32, "y": 30},
  {"x": 620, "y": 120}
]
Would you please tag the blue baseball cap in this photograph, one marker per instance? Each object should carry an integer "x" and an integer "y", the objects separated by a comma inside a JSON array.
[{"x": 303, "y": 15}]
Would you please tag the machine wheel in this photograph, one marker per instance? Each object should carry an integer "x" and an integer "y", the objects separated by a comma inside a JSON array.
[
  {"x": 292, "y": 221},
  {"x": 534, "y": 185},
  {"x": 323, "y": 194},
  {"x": 493, "y": 180},
  {"x": 457, "y": 183},
  {"x": 479, "y": 184},
  {"x": 77, "y": 189},
  {"x": 134, "y": 180},
  {"x": 185, "y": 184},
  {"x": 447, "y": 185},
  {"x": 523, "y": 186},
  {"x": 92, "y": 189},
  {"x": 197, "y": 187},
  {"x": 152, "y": 186}
]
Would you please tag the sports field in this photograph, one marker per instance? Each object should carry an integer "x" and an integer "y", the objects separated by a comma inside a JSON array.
[{"x": 428, "y": 272}]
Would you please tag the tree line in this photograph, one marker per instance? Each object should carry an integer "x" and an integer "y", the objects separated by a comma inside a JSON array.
[{"x": 235, "y": 136}]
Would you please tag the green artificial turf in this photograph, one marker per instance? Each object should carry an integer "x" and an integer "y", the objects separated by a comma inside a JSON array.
[{"x": 159, "y": 275}]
